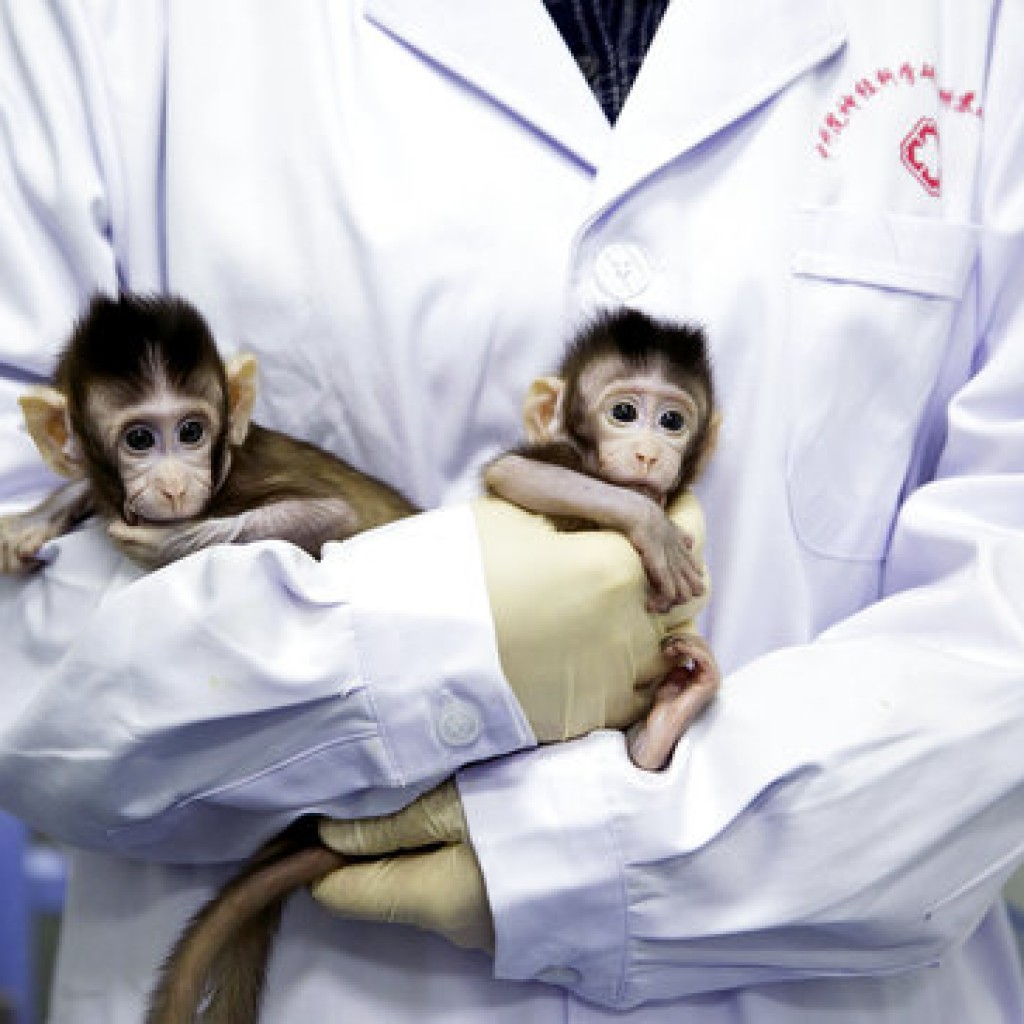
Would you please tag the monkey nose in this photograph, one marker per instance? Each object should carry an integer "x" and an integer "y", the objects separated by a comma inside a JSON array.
[{"x": 174, "y": 493}]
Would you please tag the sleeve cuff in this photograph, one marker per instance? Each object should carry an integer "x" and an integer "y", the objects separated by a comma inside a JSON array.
[
  {"x": 558, "y": 895},
  {"x": 426, "y": 644}
]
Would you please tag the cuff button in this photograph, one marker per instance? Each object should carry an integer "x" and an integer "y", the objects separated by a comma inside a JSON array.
[{"x": 458, "y": 724}]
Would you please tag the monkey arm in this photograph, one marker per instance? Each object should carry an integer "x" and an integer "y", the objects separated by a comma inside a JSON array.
[
  {"x": 308, "y": 523},
  {"x": 560, "y": 492},
  {"x": 22, "y": 535},
  {"x": 556, "y": 491}
]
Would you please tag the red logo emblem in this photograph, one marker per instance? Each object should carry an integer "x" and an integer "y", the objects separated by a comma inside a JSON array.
[{"x": 919, "y": 152}]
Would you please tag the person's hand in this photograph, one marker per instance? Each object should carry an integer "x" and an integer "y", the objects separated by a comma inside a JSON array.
[
  {"x": 577, "y": 644},
  {"x": 424, "y": 872}
]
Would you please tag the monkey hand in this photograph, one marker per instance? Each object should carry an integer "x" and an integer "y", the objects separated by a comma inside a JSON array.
[
  {"x": 666, "y": 552},
  {"x": 679, "y": 699},
  {"x": 21, "y": 537},
  {"x": 157, "y": 544},
  {"x": 422, "y": 871},
  {"x": 577, "y": 645}
]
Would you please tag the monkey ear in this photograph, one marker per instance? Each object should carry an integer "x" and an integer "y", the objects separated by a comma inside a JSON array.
[
  {"x": 45, "y": 410},
  {"x": 241, "y": 374},
  {"x": 542, "y": 409}
]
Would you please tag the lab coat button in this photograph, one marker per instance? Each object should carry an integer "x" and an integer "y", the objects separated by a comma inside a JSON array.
[
  {"x": 458, "y": 724},
  {"x": 623, "y": 270},
  {"x": 564, "y": 976}
]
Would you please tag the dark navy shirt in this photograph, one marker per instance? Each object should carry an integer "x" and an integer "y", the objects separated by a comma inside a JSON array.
[{"x": 609, "y": 39}]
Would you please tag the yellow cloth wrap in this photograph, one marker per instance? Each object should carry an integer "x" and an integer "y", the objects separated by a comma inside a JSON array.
[{"x": 569, "y": 609}]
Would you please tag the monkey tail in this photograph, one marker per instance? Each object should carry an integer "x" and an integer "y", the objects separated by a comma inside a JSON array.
[{"x": 216, "y": 970}]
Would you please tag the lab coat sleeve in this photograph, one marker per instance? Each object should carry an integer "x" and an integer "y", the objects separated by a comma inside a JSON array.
[
  {"x": 849, "y": 807},
  {"x": 187, "y": 714}
]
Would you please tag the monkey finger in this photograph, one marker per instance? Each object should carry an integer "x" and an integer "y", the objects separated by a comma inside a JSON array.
[
  {"x": 693, "y": 652},
  {"x": 673, "y": 588},
  {"x": 18, "y": 558},
  {"x": 143, "y": 544},
  {"x": 12, "y": 563},
  {"x": 125, "y": 534},
  {"x": 690, "y": 575},
  {"x": 663, "y": 581}
]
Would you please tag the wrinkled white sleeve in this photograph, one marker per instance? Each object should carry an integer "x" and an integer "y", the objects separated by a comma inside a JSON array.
[
  {"x": 849, "y": 807},
  {"x": 187, "y": 714}
]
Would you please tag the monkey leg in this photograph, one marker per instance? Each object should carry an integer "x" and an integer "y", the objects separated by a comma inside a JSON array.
[
  {"x": 307, "y": 522},
  {"x": 680, "y": 698}
]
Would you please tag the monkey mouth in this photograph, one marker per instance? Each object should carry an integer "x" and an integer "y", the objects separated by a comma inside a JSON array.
[{"x": 644, "y": 487}]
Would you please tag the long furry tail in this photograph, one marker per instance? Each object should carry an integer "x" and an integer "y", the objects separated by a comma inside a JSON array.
[{"x": 216, "y": 970}]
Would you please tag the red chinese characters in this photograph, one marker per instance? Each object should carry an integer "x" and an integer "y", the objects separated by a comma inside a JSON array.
[{"x": 867, "y": 90}]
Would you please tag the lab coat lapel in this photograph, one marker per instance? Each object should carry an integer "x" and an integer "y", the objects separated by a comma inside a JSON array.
[
  {"x": 711, "y": 63},
  {"x": 510, "y": 51}
]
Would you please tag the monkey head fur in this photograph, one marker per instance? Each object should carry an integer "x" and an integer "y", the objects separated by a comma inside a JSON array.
[{"x": 143, "y": 406}]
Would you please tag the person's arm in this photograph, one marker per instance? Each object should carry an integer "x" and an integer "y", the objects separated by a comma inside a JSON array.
[
  {"x": 849, "y": 807},
  {"x": 187, "y": 714}
]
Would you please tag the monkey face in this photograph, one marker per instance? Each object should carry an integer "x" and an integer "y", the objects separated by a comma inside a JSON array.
[
  {"x": 643, "y": 426},
  {"x": 163, "y": 449}
]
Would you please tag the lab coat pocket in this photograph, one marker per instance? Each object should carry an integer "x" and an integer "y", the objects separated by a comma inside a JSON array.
[{"x": 873, "y": 301}]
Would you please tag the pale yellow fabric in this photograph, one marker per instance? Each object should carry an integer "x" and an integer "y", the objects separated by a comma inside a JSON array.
[{"x": 570, "y": 616}]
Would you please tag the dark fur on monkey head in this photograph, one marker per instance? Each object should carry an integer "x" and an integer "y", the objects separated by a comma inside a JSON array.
[
  {"x": 678, "y": 350},
  {"x": 128, "y": 346}
]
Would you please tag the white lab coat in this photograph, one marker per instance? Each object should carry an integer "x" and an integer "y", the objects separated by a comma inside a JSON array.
[{"x": 402, "y": 206}]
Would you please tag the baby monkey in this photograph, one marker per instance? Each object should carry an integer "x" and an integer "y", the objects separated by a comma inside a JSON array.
[
  {"x": 620, "y": 431},
  {"x": 154, "y": 433}
]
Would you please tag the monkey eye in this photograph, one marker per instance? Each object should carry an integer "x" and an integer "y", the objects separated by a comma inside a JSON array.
[
  {"x": 191, "y": 432},
  {"x": 139, "y": 438},
  {"x": 673, "y": 421},
  {"x": 625, "y": 412}
]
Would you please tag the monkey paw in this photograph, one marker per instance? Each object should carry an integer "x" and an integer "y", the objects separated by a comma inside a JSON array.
[
  {"x": 146, "y": 545},
  {"x": 673, "y": 571},
  {"x": 679, "y": 699},
  {"x": 155, "y": 545},
  {"x": 21, "y": 537}
]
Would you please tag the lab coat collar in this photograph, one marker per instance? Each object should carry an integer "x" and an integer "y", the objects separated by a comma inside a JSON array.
[
  {"x": 711, "y": 62},
  {"x": 512, "y": 52}
]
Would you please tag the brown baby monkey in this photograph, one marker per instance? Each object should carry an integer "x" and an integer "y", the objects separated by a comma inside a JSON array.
[
  {"x": 621, "y": 430},
  {"x": 615, "y": 436},
  {"x": 153, "y": 431}
]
